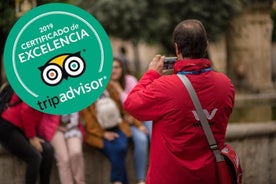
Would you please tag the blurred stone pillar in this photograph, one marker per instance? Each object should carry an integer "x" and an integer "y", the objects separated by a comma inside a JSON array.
[
  {"x": 217, "y": 54},
  {"x": 249, "y": 47}
]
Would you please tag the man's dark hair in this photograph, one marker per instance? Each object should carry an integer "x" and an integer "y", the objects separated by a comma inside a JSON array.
[{"x": 191, "y": 39}]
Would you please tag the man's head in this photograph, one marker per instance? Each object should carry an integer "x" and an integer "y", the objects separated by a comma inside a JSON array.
[{"x": 190, "y": 39}]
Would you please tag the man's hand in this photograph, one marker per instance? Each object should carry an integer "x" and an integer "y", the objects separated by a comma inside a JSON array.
[
  {"x": 36, "y": 143},
  {"x": 157, "y": 64},
  {"x": 110, "y": 136}
]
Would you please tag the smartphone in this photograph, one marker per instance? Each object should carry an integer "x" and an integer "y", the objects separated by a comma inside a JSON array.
[{"x": 169, "y": 62}]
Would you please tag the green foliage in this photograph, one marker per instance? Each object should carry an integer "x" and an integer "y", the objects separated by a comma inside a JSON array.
[
  {"x": 214, "y": 14},
  {"x": 7, "y": 13},
  {"x": 123, "y": 19},
  {"x": 153, "y": 21}
]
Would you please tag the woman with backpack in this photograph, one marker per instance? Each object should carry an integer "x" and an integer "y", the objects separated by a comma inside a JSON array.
[{"x": 18, "y": 125}]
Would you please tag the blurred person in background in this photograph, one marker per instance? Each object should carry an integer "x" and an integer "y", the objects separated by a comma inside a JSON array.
[
  {"x": 123, "y": 83},
  {"x": 107, "y": 129},
  {"x": 123, "y": 58},
  {"x": 66, "y": 133},
  {"x": 18, "y": 134}
]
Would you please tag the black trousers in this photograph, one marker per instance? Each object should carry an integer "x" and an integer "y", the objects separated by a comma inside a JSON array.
[{"x": 38, "y": 164}]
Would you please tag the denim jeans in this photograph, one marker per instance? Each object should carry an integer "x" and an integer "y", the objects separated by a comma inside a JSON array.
[
  {"x": 141, "y": 148},
  {"x": 116, "y": 152},
  {"x": 14, "y": 140},
  {"x": 148, "y": 125}
]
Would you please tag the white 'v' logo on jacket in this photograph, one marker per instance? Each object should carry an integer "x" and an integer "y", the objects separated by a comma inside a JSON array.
[{"x": 207, "y": 114}]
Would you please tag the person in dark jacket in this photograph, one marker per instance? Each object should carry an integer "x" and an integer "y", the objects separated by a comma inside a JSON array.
[
  {"x": 179, "y": 150},
  {"x": 18, "y": 134}
]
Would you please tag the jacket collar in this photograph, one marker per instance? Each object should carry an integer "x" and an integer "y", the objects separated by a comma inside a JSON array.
[{"x": 191, "y": 65}]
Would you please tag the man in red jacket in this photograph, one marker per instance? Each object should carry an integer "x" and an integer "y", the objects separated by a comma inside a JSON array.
[{"x": 179, "y": 152}]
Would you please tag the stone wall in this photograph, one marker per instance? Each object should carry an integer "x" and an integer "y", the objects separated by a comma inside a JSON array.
[
  {"x": 97, "y": 168},
  {"x": 255, "y": 143}
]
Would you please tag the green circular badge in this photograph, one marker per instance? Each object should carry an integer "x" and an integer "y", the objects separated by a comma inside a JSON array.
[{"x": 58, "y": 58}]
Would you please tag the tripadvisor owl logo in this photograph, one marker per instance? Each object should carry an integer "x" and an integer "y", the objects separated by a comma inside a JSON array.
[
  {"x": 62, "y": 66},
  {"x": 58, "y": 58}
]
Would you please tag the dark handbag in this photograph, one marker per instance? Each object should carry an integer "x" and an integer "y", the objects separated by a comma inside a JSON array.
[{"x": 228, "y": 163}]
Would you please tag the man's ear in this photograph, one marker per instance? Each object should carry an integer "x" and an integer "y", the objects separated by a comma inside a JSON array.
[
  {"x": 207, "y": 46},
  {"x": 177, "y": 51}
]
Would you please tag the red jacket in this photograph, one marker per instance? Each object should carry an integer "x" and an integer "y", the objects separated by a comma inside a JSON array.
[
  {"x": 179, "y": 149},
  {"x": 49, "y": 125},
  {"x": 23, "y": 116}
]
